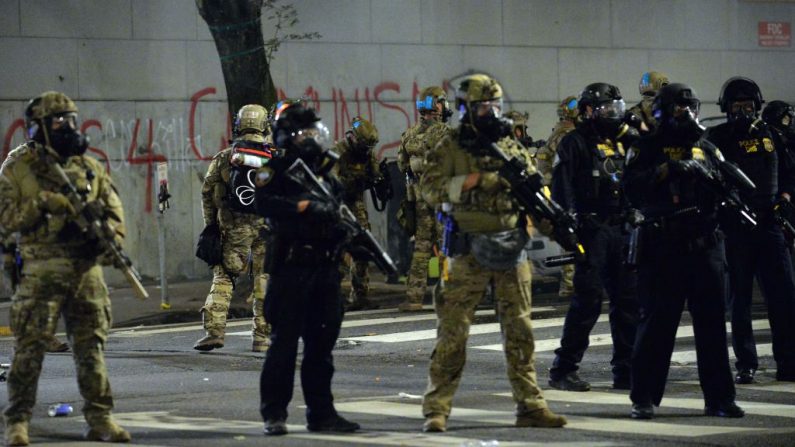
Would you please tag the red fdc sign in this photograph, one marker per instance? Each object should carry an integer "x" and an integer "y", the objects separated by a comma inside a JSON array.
[{"x": 774, "y": 34}]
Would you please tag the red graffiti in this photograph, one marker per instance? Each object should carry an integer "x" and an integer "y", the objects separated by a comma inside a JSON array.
[
  {"x": 149, "y": 160},
  {"x": 102, "y": 155},
  {"x": 194, "y": 101},
  {"x": 18, "y": 124}
]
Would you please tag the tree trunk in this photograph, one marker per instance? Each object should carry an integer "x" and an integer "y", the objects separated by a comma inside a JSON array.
[{"x": 237, "y": 30}]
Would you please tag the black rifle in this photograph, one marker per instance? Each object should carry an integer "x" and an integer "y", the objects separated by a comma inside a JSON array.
[
  {"x": 381, "y": 192},
  {"x": 528, "y": 190},
  {"x": 92, "y": 221},
  {"x": 358, "y": 241},
  {"x": 724, "y": 184}
]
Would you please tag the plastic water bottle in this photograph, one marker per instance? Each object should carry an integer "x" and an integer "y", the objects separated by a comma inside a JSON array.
[{"x": 59, "y": 410}]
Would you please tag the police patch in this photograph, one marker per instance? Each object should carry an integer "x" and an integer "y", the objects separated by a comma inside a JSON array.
[
  {"x": 768, "y": 144},
  {"x": 697, "y": 154}
]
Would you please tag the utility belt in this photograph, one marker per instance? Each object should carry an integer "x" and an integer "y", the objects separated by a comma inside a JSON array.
[
  {"x": 501, "y": 250},
  {"x": 679, "y": 243},
  {"x": 303, "y": 253},
  {"x": 610, "y": 219}
]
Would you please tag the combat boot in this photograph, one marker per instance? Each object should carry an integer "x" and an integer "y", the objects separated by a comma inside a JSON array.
[
  {"x": 361, "y": 304},
  {"x": 542, "y": 417},
  {"x": 55, "y": 345},
  {"x": 435, "y": 423},
  {"x": 408, "y": 306},
  {"x": 106, "y": 430},
  {"x": 17, "y": 434},
  {"x": 209, "y": 342}
]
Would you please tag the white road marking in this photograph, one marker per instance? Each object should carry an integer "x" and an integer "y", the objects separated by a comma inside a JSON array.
[
  {"x": 622, "y": 398},
  {"x": 166, "y": 421},
  {"x": 774, "y": 387},
  {"x": 475, "y": 329},
  {"x": 689, "y": 357},
  {"x": 607, "y": 339},
  {"x": 506, "y": 418}
]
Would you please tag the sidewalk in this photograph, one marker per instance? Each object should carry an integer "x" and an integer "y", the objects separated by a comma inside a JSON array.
[{"x": 186, "y": 298}]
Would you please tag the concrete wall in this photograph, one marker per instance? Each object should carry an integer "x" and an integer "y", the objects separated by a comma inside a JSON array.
[{"x": 148, "y": 81}]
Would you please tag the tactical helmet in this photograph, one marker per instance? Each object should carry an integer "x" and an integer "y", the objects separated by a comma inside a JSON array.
[
  {"x": 651, "y": 82},
  {"x": 739, "y": 88},
  {"x": 567, "y": 109},
  {"x": 364, "y": 131},
  {"x": 251, "y": 123},
  {"x": 46, "y": 105},
  {"x": 291, "y": 119},
  {"x": 519, "y": 122},
  {"x": 430, "y": 97},
  {"x": 477, "y": 88},
  {"x": 671, "y": 96},
  {"x": 600, "y": 94},
  {"x": 775, "y": 111}
]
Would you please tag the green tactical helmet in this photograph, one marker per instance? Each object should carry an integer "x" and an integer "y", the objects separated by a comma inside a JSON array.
[
  {"x": 251, "y": 123},
  {"x": 567, "y": 109},
  {"x": 476, "y": 88},
  {"x": 46, "y": 105},
  {"x": 651, "y": 82},
  {"x": 365, "y": 131}
]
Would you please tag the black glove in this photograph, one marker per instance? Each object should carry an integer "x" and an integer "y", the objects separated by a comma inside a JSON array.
[
  {"x": 682, "y": 167},
  {"x": 322, "y": 210}
]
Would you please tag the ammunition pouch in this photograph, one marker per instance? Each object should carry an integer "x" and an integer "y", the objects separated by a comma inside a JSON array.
[{"x": 499, "y": 251}]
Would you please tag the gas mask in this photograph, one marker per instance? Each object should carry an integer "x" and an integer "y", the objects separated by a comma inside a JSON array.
[
  {"x": 608, "y": 117},
  {"x": 742, "y": 114},
  {"x": 65, "y": 138}
]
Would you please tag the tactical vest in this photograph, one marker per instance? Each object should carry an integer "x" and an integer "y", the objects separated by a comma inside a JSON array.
[
  {"x": 601, "y": 192},
  {"x": 756, "y": 156}
]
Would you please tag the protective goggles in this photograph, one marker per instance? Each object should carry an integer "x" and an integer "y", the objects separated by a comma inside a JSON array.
[
  {"x": 571, "y": 105},
  {"x": 430, "y": 102},
  {"x": 483, "y": 108},
  {"x": 63, "y": 120}
]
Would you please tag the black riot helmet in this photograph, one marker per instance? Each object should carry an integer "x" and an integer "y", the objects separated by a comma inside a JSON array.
[
  {"x": 298, "y": 130},
  {"x": 676, "y": 109},
  {"x": 739, "y": 88},
  {"x": 607, "y": 107},
  {"x": 780, "y": 115}
]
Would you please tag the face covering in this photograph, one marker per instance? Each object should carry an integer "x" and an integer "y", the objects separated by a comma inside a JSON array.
[{"x": 68, "y": 142}]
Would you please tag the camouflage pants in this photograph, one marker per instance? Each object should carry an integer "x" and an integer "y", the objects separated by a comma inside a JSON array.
[
  {"x": 424, "y": 239},
  {"x": 49, "y": 288},
  {"x": 566, "y": 280},
  {"x": 456, "y": 311},
  {"x": 360, "y": 277},
  {"x": 238, "y": 243}
]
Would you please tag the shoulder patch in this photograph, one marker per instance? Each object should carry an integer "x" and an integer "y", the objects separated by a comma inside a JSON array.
[{"x": 263, "y": 176}]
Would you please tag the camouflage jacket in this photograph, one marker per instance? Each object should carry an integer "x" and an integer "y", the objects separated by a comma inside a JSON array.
[
  {"x": 25, "y": 174},
  {"x": 476, "y": 211},
  {"x": 546, "y": 155},
  {"x": 357, "y": 172},
  {"x": 215, "y": 195},
  {"x": 415, "y": 142}
]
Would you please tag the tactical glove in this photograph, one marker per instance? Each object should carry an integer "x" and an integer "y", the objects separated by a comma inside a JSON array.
[
  {"x": 322, "y": 210},
  {"x": 682, "y": 167},
  {"x": 56, "y": 203},
  {"x": 490, "y": 181}
]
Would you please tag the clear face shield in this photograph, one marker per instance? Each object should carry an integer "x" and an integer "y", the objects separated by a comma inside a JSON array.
[
  {"x": 687, "y": 107},
  {"x": 610, "y": 111},
  {"x": 318, "y": 133}
]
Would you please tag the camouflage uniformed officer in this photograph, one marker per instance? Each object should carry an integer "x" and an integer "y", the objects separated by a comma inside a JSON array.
[
  {"x": 491, "y": 239},
  {"x": 357, "y": 170},
  {"x": 61, "y": 271},
  {"x": 230, "y": 207},
  {"x": 519, "y": 130},
  {"x": 415, "y": 142},
  {"x": 567, "y": 117},
  {"x": 639, "y": 116}
]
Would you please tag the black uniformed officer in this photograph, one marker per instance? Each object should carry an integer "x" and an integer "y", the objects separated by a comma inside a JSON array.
[
  {"x": 304, "y": 284},
  {"x": 780, "y": 118},
  {"x": 761, "y": 253},
  {"x": 586, "y": 181},
  {"x": 682, "y": 256}
]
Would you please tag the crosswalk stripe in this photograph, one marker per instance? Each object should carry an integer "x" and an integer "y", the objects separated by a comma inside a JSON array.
[
  {"x": 401, "y": 319},
  {"x": 614, "y": 398},
  {"x": 475, "y": 329},
  {"x": 137, "y": 332},
  {"x": 689, "y": 357},
  {"x": 773, "y": 387},
  {"x": 166, "y": 421},
  {"x": 627, "y": 426},
  {"x": 607, "y": 339}
]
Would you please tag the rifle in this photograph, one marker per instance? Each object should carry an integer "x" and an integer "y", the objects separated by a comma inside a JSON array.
[
  {"x": 528, "y": 189},
  {"x": 359, "y": 242},
  {"x": 725, "y": 187},
  {"x": 93, "y": 224},
  {"x": 381, "y": 191},
  {"x": 784, "y": 213}
]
